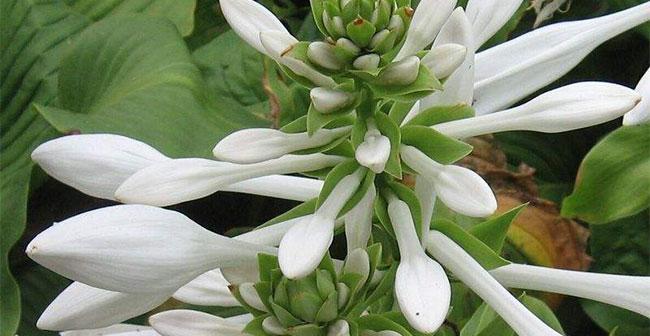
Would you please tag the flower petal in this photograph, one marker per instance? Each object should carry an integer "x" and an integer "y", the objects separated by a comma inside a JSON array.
[
  {"x": 373, "y": 152},
  {"x": 470, "y": 272},
  {"x": 81, "y": 306},
  {"x": 114, "y": 330},
  {"x": 488, "y": 16},
  {"x": 629, "y": 292},
  {"x": 641, "y": 113},
  {"x": 208, "y": 289},
  {"x": 281, "y": 186},
  {"x": 444, "y": 59},
  {"x": 458, "y": 88},
  {"x": 429, "y": 16},
  {"x": 254, "y": 145},
  {"x": 510, "y": 71},
  {"x": 461, "y": 189},
  {"x": 567, "y": 108},
  {"x": 181, "y": 180},
  {"x": 248, "y": 18},
  {"x": 358, "y": 222},
  {"x": 426, "y": 193},
  {"x": 136, "y": 249},
  {"x": 182, "y": 322},
  {"x": 95, "y": 164}
]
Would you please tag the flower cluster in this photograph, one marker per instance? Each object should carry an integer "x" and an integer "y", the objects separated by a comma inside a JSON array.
[{"x": 394, "y": 91}]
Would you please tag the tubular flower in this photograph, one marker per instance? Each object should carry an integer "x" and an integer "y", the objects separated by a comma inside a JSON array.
[{"x": 392, "y": 91}]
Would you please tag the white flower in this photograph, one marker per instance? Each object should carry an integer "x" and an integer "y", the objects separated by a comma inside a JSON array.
[
  {"x": 181, "y": 180},
  {"x": 357, "y": 261},
  {"x": 461, "y": 189},
  {"x": 443, "y": 60},
  {"x": 629, "y": 292},
  {"x": 512, "y": 70},
  {"x": 208, "y": 289},
  {"x": 421, "y": 285},
  {"x": 302, "y": 248},
  {"x": 470, "y": 272},
  {"x": 114, "y": 330},
  {"x": 569, "y": 107},
  {"x": 488, "y": 16},
  {"x": 374, "y": 151},
  {"x": 254, "y": 145},
  {"x": 358, "y": 221},
  {"x": 641, "y": 113},
  {"x": 426, "y": 193},
  {"x": 326, "y": 100},
  {"x": 182, "y": 322},
  {"x": 402, "y": 72},
  {"x": 429, "y": 16}
]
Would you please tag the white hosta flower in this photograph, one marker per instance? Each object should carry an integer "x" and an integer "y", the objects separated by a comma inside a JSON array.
[
  {"x": 629, "y": 292},
  {"x": 254, "y": 145},
  {"x": 271, "y": 325},
  {"x": 339, "y": 328},
  {"x": 374, "y": 151},
  {"x": 114, "y": 330},
  {"x": 426, "y": 194},
  {"x": 569, "y": 107},
  {"x": 358, "y": 221},
  {"x": 136, "y": 249},
  {"x": 358, "y": 262},
  {"x": 421, "y": 285},
  {"x": 367, "y": 62},
  {"x": 323, "y": 54},
  {"x": 429, "y": 16},
  {"x": 81, "y": 306},
  {"x": 458, "y": 87},
  {"x": 472, "y": 274},
  {"x": 250, "y": 296},
  {"x": 182, "y": 322},
  {"x": 302, "y": 248},
  {"x": 402, "y": 72},
  {"x": 512, "y": 70},
  {"x": 461, "y": 189},
  {"x": 208, "y": 289},
  {"x": 488, "y": 16},
  {"x": 641, "y": 113},
  {"x": 326, "y": 100},
  {"x": 95, "y": 164},
  {"x": 278, "y": 45},
  {"x": 181, "y": 180},
  {"x": 281, "y": 186},
  {"x": 444, "y": 59}
]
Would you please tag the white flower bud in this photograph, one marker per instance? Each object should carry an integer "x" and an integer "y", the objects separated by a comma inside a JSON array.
[
  {"x": 367, "y": 62},
  {"x": 358, "y": 262},
  {"x": 272, "y": 326},
  {"x": 428, "y": 18},
  {"x": 250, "y": 296},
  {"x": 328, "y": 100},
  {"x": 374, "y": 151},
  {"x": 403, "y": 72},
  {"x": 444, "y": 59},
  {"x": 339, "y": 328},
  {"x": 322, "y": 54},
  {"x": 378, "y": 38},
  {"x": 348, "y": 45},
  {"x": 343, "y": 294},
  {"x": 641, "y": 113},
  {"x": 396, "y": 24}
]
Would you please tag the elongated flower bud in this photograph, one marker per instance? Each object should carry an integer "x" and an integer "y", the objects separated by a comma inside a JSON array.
[
  {"x": 208, "y": 289},
  {"x": 428, "y": 18},
  {"x": 357, "y": 262},
  {"x": 403, "y": 72},
  {"x": 461, "y": 189},
  {"x": 253, "y": 145},
  {"x": 641, "y": 113},
  {"x": 322, "y": 54},
  {"x": 190, "y": 322},
  {"x": 328, "y": 100},
  {"x": 567, "y": 108},
  {"x": 358, "y": 222},
  {"x": 272, "y": 326},
  {"x": 488, "y": 16},
  {"x": 367, "y": 62},
  {"x": 339, "y": 328},
  {"x": 444, "y": 59}
]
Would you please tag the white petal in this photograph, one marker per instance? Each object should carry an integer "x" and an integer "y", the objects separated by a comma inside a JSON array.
[
  {"x": 182, "y": 322},
  {"x": 429, "y": 16},
  {"x": 271, "y": 325},
  {"x": 461, "y": 189},
  {"x": 249, "y": 295},
  {"x": 208, "y": 289},
  {"x": 358, "y": 262},
  {"x": 641, "y": 113},
  {"x": 326, "y": 100},
  {"x": 272, "y": 234},
  {"x": 339, "y": 328},
  {"x": 629, "y": 292},
  {"x": 458, "y": 87},
  {"x": 248, "y": 18},
  {"x": 281, "y": 186},
  {"x": 426, "y": 193},
  {"x": 136, "y": 249},
  {"x": 114, "y": 330},
  {"x": 81, "y": 306},
  {"x": 421, "y": 285},
  {"x": 444, "y": 59},
  {"x": 510, "y": 71},
  {"x": 260, "y": 144},
  {"x": 472, "y": 274},
  {"x": 181, "y": 180},
  {"x": 402, "y": 72},
  {"x": 488, "y": 16},
  {"x": 358, "y": 222},
  {"x": 95, "y": 164},
  {"x": 277, "y": 45},
  {"x": 242, "y": 273},
  {"x": 373, "y": 152},
  {"x": 567, "y": 108}
]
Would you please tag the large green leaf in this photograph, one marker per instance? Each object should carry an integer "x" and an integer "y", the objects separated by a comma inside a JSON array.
[{"x": 614, "y": 179}]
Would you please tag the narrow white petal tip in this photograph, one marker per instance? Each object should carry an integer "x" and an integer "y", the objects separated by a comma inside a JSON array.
[
  {"x": 183, "y": 322},
  {"x": 488, "y": 16},
  {"x": 303, "y": 247},
  {"x": 423, "y": 293},
  {"x": 250, "y": 146},
  {"x": 444, "y": 59},
  {"x": 373, "y": 152},
  {"x": 428, "y": 18}
]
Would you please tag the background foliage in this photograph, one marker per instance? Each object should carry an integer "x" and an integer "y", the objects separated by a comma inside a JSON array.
[{"x": 170, "y": 73}]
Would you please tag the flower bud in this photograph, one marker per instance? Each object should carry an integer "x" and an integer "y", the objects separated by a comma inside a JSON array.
[
  {"x": 381, "y": 15},
  {"x": 348, "y": 46},
  {"x": 367, "y": 62},
  {"x": 403, "y": 72},
  {"x": 343, "y": 294},
  {"x": 322, "y": 54},
  {"x": 339, "y": 328},
  {"x": 328, "y": 100},
  {"x": 374, "y": 151},
  {"x": 396, "y": 24},
  {"x": 333, "y": 24},
  {"x": 249, "y": 295},
  {"x": 444, "y": 59},
  {"x": 378, "y": 39},
  {"x": 272, "y": 326},
  {"x": 361, "y": 31},
  {"x": 358, "y": 262}
]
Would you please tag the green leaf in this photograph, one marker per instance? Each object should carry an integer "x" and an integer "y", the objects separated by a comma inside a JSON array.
[
  {"x": 439, "y": 114},
  {"x": 407, "y": 195},
  {"x": 483, "y": 254},
  {"x": 614, "y": 178},
  {"x": 390, "y": 129},
  {"x": 542, "y": 310},
  {"x": 254, "y": 327},
  {"x": 493, "y": 231},
  {"x": 437, "y": 146},
  {"x": 379, "y": 323}
]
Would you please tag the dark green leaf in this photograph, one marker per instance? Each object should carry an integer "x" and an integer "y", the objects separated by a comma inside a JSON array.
[
  {"x": 434, "y": 144},
  {"x": 493, "y": 231}
]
